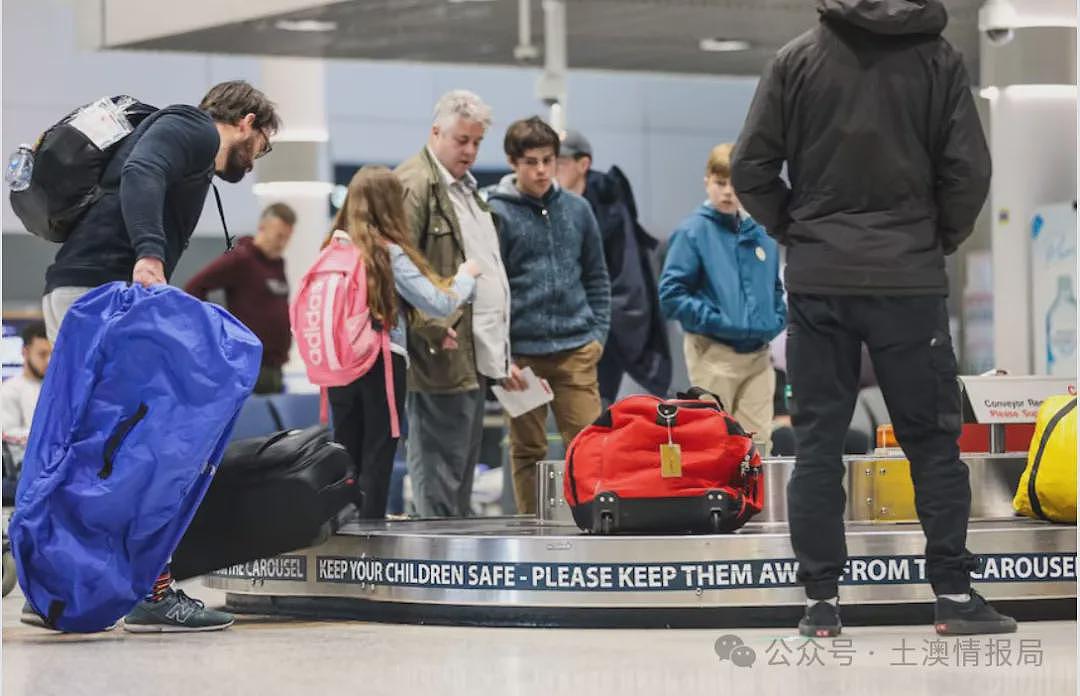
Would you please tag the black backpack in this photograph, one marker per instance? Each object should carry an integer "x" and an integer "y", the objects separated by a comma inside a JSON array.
[{"x": 67, "y": 173}]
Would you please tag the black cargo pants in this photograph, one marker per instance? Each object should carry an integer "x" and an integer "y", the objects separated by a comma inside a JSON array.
[{"x": 909, "y": 344}]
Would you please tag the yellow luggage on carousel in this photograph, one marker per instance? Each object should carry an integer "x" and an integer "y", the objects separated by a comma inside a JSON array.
[{"x": 1047, "y": 488}]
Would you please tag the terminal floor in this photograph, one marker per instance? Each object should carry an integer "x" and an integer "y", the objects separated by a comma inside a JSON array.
[{"x": 274, "y": 656}]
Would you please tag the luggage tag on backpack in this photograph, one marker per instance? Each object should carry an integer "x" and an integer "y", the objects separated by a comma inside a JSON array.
[
  {"x": 671, "y": 453},
  {"x": 102, "y": 123}
]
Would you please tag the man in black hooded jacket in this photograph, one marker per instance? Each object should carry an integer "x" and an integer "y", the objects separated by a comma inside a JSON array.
[
  {"x": 873, "y": 113},
  {"x": 637, "y": 342}
]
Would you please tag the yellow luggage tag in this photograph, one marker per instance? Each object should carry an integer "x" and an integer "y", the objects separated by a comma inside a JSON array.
[{"x": 671, "y": 453}]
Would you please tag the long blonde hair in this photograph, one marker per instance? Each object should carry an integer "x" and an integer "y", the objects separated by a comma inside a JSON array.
[{"x": 373, "y": 214}]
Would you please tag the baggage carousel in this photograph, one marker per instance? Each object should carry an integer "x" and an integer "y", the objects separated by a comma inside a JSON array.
[{"x": 525, "y": 571}]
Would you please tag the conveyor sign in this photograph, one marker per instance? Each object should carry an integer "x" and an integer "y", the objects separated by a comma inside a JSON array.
[
  {"x": 289, "y": 567},
  {"x": 669, "y": 576}
]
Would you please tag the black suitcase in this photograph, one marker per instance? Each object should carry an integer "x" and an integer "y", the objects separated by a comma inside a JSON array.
[{"x": 270, "y": 495}]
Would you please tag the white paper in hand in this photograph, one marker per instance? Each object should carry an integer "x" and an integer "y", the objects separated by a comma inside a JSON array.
[{"x": 535, "y": 395}]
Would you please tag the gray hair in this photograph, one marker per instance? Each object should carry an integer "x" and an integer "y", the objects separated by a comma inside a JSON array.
[{"x": 461, "y": 103}]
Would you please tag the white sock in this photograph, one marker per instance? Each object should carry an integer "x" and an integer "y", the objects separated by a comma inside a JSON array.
[
  {"x": 962, "y": 598},
  {"x": 833, "y": 601}
]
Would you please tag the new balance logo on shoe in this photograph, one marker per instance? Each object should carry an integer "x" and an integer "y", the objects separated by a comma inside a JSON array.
[{"x": 181, "y": 612}]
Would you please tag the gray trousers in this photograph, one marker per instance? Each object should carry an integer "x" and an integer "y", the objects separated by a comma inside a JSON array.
[{"x": 445, "y": 431}]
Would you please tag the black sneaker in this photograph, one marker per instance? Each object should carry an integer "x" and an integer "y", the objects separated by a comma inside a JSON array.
[
  {"x": 822, "y": 620},
  {"x": 971, "y": 617}
]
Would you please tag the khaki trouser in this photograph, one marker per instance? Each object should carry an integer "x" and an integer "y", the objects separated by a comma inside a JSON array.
[
  {"x": 572, "y": 376},
  {"x": 56, "y": 304},
  {"x": 745, "y": 383}
]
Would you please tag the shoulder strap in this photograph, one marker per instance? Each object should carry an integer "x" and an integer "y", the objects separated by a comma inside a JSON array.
[
  {"x": 221, "y": 214},
  {"x": 1033, "y": 495}
]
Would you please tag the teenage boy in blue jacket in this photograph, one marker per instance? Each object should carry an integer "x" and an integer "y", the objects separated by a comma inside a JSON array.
[
  {"x": 721, "y": 281},
  {"x": 560, "y": 296}
]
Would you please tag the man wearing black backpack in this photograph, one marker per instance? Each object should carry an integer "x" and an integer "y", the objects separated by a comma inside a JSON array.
[
  {"x": 153, "y": 193},
  {"x": 153, "y": 190}
]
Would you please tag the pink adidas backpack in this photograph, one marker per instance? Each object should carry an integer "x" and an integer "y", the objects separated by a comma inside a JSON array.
[{"x": 332, "y": 324}]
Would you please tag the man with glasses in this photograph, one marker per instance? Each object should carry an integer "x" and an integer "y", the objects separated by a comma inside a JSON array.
[
  {"x": 154, "y": 188},
  {"x": 153, "y": 191}
]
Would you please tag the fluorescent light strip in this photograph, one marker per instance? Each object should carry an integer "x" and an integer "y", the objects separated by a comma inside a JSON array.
[
  {"x": 1047, "y": 20},
  {"x": 1030, "y": 92},
  {"x": 723, "y": 45},
  {"x": 292, "y": 188},
  {"x": 305, "y": 25},
  {"x": 302, "y": 135}
]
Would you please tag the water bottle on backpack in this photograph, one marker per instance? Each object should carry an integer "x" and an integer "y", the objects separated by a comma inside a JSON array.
[{"x": 20, "y": 168}]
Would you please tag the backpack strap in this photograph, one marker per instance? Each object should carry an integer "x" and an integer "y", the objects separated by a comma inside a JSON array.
[
  {"x": 391, "y": 398},
  {"x": 324, "y": 406},
  {"x": 221, "y": 213},
  {"x": 1033, "y": 493}
]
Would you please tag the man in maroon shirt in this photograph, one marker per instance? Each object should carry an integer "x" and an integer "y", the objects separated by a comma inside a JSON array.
[{"x": 256, "y": 291}]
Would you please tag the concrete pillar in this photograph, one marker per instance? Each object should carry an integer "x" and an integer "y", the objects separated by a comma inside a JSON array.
[
  {"x": 1028, "y": 74},
  {"x": 551, "y": 86},
  {"x": 297, "y": 172}
]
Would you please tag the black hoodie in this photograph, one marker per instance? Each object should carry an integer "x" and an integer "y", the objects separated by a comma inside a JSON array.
[{"x": 873, "y": 113}]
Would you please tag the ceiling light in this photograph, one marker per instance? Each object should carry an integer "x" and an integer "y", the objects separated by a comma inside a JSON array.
[
  {"x": 301, "y": 135},
  {"x": 305, "y": 25},
  {"x": 317, "y": 189},
  {"x": 1041, "y": 91},
  {"x": 717, "y": 45}
]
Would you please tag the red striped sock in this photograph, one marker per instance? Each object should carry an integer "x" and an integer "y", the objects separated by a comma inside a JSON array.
[{"x": 161, "y": 586}]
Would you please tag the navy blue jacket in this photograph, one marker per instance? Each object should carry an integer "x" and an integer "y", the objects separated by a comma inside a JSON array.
[
  {"x": 155, "y": 187},
  {"x": 724, "y": 283},
  {"x": 638, "y": 340}
]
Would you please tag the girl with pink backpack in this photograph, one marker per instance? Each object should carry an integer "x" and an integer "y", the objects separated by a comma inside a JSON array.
[{"x": 349, "y": 320}]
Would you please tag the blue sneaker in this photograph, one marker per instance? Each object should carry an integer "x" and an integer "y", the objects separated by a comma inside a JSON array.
[{"x": 175, "y": 613}]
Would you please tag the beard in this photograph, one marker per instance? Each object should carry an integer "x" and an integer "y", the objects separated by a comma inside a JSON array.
[
  {"x": 34, "y": 371},
  {"x": 237, "y": 164}
]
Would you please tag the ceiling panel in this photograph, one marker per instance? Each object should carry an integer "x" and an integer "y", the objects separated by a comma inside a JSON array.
[{"x": 632, "y": 35}]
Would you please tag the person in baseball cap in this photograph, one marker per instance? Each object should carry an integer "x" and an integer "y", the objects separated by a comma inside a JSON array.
[
  {"x": 574, "y": 162},
  {"x": 637, "y": 343}
]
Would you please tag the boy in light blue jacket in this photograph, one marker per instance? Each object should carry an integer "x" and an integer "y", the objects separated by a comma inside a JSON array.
[{"x": 721, "y": 281}]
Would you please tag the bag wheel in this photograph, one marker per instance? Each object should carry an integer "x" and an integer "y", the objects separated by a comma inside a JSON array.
[{"x": 716, "y": 520}]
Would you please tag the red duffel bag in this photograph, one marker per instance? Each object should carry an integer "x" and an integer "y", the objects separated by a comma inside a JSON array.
[{"x": 651, "y": 465}]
